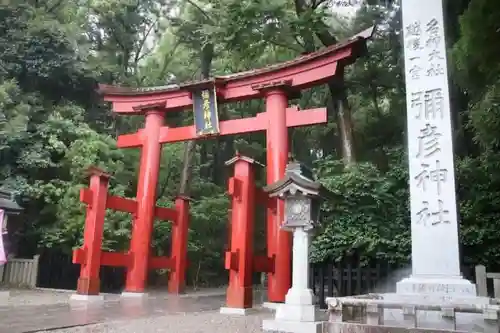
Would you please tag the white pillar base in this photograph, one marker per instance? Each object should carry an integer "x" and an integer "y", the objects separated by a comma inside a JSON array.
[
  {"x": 237, "y": 311},
  {"x": 298, "y": 306},
  {"x": 127, "y": 294},
  {"x": 298, "y": 314},
  {"x": 86, "y": 298},
  {"x": 271, "y": 305},
  {"x": 299, "y": 296}
]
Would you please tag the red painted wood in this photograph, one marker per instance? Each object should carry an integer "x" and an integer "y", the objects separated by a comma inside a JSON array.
[
  {"x": 177, "y": 278},
  {"x": 239, "y": 260},
  {"x": 263, "y": 264},
  {"x": 128, "y": 205},
  {"x": 261, "y": 197},
  {"x": 294, "y": 118},
  {"x": 117, "y": 259},
  {"x": 88, "y": 282},
  {"x": 237, "y": 87},
  {"x": 279, "y": 242},
  {"x": 142, "y": 228},
  {"x": 161, "y": 263},
  {"x": 231, "y": 260}
]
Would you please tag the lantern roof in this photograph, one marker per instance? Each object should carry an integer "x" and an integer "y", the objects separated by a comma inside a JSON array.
[
  {"x": 298, "y": 178},
  {"x": 240, "y": 157}
]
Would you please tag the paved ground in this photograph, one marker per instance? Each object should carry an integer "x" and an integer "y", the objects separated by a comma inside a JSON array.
[
  {"x": 36, "y": 311},
  {"x": 36, "y": 297},
  {"x": 201, "y": 322}
]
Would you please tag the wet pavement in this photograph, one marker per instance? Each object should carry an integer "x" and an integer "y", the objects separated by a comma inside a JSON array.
[{"x": 26, "y": 318}]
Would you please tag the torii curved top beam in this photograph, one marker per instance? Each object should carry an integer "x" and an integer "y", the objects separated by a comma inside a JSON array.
[{"x": 297, "y": 74}]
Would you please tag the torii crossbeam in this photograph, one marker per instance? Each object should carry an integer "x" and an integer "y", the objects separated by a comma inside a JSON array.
[{"x": 276, "y": 84}]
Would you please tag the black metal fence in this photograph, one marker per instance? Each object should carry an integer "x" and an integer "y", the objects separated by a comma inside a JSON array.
[
  {"x": 349, "y": 279},
  {"x": 57, "y": 271},
  {"x": 329, "y": 280}
]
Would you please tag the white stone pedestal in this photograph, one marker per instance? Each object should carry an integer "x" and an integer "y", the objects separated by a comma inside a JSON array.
[
  {"x": 271, "y": 305},
  {"x": 298, "y": 313},
  {"x": 127, "y": 294}
]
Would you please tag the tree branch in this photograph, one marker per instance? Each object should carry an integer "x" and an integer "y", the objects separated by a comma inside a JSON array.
[
  {"x": 316, "y": 4},
  {"x": 289, "y": 47},
  {"x": 166, "y": 180},
  {"x": 55, "y": 6},
  {"x": 168, "y": 60},
  {"x": 143, "y": 41},
  {"x": 192, "y": 3}
]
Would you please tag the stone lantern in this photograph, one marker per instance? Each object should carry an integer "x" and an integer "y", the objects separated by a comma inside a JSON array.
[{"x": 302, "y": 196}]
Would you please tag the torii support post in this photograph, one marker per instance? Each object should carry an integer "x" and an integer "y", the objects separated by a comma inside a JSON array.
[
  {"x": 140, "y": 243},
  {"x": 279, "y": 243},
  {"x": 89, "y": 282},
  {"x": 239, "y": 259},
  {"x": 177, "y": 278}
]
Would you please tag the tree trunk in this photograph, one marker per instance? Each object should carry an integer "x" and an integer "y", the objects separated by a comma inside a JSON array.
[
  {"x": 207, "y": 53},
  {"x": 344, "y": 121},
  {"x": 336, "y": 87}
]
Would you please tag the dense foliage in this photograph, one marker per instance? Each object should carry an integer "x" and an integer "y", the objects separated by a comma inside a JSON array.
[{"x": 53, "y": 125}]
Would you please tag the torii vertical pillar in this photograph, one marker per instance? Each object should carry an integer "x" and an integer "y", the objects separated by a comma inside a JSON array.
[
  {"x": 180, "y": 228},
  {"x": 142, "y": 228},
  {"x": 279, "y": 243},
  {"x": 88, "y": 286},
  {"x": 239, "y": 259}
]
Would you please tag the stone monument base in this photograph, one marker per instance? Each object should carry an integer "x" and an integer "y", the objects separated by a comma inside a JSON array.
[
  {"x": 449, "y": 313},
  {"x": 452, "y": 286},
  {"x": 443, "y": 291},
  {"x": 443, "y": 311}
]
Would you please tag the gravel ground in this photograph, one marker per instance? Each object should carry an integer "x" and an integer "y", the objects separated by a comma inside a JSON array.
[{"x": 183, "y": 323}]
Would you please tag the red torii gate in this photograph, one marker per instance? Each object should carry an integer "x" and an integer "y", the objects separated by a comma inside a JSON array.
[{"x": 275, "y": 84}]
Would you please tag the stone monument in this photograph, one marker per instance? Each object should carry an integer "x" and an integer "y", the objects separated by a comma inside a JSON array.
[
  {"x": 435, "y": 295},
  {"x": 302, "y": 196},
  {"x": 434, "y": 222}
]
